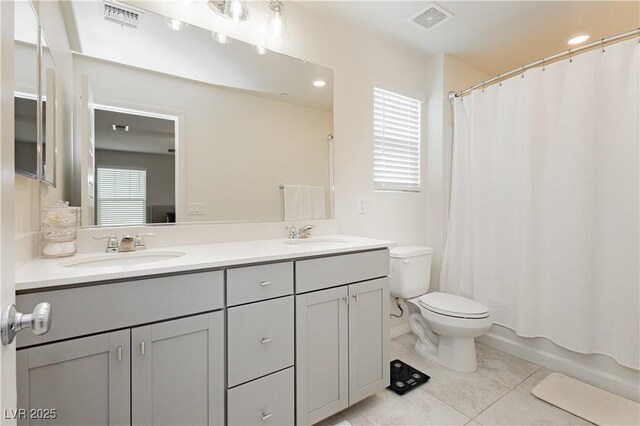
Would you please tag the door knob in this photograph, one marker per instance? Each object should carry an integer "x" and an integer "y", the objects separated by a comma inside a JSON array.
[{"x": 13, "y": 321}]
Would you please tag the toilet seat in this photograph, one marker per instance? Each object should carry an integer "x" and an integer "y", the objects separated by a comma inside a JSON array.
[{"x": 453, "y": 306}]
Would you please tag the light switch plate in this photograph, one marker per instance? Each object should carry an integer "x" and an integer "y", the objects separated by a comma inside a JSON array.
[
  {"x": 362, "y": 205},
  {"x": 196, "y": 209}
]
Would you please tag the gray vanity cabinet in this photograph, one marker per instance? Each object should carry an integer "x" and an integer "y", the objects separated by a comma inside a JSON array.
[
  {"x": 341, "y": 343},
  {"x": 177, "y": 372},
  {"x": 369, "y": 369},
  {"x": 322, "y": 354},
  {"x": 85, "y": 380}
]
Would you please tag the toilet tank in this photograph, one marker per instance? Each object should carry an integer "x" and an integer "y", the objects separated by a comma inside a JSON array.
[{"x": 410, "y": 271}]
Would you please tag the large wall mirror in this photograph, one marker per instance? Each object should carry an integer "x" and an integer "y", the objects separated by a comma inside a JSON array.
[
  {"x": 179, "y": 124},
  {"x": 26, "y": 97},
  {"x": 34, "y": 98}
]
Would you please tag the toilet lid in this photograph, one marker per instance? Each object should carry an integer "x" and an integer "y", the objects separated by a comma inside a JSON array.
[{"x": 453, "y": 306}]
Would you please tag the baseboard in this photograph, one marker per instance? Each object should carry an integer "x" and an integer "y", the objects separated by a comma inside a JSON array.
[
  {"x": 399, "y": 331},
  {"x": 601, "y": 379}
]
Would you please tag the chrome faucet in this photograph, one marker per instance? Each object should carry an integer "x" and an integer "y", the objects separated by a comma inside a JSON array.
[
  {"x": 127, "y": 243},
  {"x": 303, "y": 232},
  {"x": 112, "y": 244}
]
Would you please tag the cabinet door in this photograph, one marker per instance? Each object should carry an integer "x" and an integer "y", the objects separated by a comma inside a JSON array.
[
  {"x": 85, "y": 380},
  {"x": 368, "y": 338},
  {"x": 177, "y": 372},
  {"x": 322, "y": 354}
]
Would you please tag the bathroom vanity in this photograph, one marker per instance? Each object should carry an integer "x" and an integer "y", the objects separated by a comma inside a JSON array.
[{"x": 257, "y": 332}]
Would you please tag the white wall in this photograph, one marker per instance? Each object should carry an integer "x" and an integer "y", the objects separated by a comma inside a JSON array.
[{"x": 238, "y": 147}]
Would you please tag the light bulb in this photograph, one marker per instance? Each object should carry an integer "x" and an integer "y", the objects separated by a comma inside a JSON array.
[
  {"x": 259, "y": 50},
  {"x": 235, "y": 10},
  {"x": 174, "y": 24},
  {"x": 276, "y": 19},
  {"x": 319, "y": 83},
  {"x": 221, "y": 38}
]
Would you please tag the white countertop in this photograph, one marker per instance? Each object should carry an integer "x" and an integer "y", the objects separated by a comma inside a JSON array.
[{"x": 44, "y": 273}]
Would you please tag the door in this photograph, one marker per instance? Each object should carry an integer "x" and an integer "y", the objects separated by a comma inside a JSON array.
[
  {"x": 322, "y": 354},
  {"x": 368, "y": 338},
  {"x": 177, "y": 372},
  {"x": 87, "y": 152},
  {"x": 82, "y": 381}
]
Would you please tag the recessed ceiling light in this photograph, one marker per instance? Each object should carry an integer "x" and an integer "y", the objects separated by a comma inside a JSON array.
[
  {"x": 259, "y": 50},
  {"x": 221, "y": 38},
  {"x": 319, "y": 83},
  {"x": 175, "y": 24},
  {"x": 578, "y": 39},
  {"x": 120, "y": 127}
]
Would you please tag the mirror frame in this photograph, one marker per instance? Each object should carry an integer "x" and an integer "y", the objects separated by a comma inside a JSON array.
[{"x": 52, "y": 102}]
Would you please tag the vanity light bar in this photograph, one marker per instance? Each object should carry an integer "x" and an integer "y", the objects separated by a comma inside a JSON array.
[{"x": 121, "y": 16}]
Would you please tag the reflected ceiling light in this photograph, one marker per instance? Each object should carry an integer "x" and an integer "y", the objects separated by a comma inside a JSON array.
[
  {"x": 259, "y": 50},
  {"x": 231, "y": 9},
  {"x": 221, "y": 38},
  {"x": 175, "y": 24},
  {"x": 319, "y": 83},
  {"x": 277, "y": 26},
  {"x": 578, "y": 39}
]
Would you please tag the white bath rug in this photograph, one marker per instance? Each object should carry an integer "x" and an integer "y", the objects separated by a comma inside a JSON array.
[{"x": 588, "y": 402}]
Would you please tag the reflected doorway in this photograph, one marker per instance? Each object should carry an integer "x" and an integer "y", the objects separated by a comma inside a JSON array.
[{"x": 135, "y": 167}]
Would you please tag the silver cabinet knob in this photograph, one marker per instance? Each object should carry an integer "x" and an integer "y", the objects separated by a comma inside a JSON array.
[{"x": 13, "y": 321}]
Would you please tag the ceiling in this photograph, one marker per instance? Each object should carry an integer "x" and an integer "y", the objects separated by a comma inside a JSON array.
[
  {"x": 146, "y": 134},
  {"x": 493, "y": 36}
]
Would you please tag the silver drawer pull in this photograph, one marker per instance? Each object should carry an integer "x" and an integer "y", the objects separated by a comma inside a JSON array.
[
  {"x": 142, "y": 348},
  {"x": 266, "y": 340},
  {"x": 265, "y": 416},
  {"x": 265, "y": 283},
  {"x": 119, "y": 353}
]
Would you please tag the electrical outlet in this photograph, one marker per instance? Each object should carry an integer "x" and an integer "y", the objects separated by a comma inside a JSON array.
[
  {"x": 196, "y": 209},
  {"x": 362, "y": 205}
]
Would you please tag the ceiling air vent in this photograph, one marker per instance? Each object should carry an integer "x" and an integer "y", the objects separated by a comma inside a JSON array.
[
  {"x": 431, "y": 17},
  {"x": 122, "y": 16}
]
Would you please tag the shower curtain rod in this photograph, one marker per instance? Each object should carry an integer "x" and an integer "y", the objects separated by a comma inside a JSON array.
[{"x": 603, "y": 42}]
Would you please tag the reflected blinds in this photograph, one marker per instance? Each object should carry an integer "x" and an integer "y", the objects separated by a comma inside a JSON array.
[{"x": 121, "y": 196}]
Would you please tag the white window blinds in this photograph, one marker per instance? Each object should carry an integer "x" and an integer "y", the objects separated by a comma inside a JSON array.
[
  {"x": 396, "y": 141},
  {"x": 121, "y": 196}
]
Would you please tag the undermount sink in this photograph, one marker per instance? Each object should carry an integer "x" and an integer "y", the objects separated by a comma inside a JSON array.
[
  {"x": 315, "y": 241},
  {"x": 121, "y": 259}
]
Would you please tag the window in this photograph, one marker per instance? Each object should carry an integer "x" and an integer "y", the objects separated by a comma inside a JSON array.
[
  {"x": 121, "y": 196},
  {"x": 396, "y": 141}
]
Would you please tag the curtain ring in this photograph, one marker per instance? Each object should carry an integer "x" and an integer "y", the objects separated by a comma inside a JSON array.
[
  {"x": 603, "y": 45},
  {"x": 570, "y": 56},
  {"x": 483, "y": 87},
  {"x": 499, "y": 80},
  {"x": 522, "y": 76},
  {"x": 543, "y": 67}
]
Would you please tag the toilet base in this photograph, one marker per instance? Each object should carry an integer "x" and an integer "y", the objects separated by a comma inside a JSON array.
[{"x": 456, "y": 353}]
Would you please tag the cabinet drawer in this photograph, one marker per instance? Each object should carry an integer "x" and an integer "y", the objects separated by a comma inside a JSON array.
[
  {"x": 266, "y": 401},
  {"x": 324, "y": 272},
  {"x": 255, "y": 283},
  {"x": 97, "y": 308},
  {"x": 260, "y": 339}
]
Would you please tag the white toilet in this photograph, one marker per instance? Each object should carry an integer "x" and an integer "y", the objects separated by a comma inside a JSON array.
[{"x": 446, "y": 324}]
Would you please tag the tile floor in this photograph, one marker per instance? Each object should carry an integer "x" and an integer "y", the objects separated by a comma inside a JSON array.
[{"x": 498, "y": 393}]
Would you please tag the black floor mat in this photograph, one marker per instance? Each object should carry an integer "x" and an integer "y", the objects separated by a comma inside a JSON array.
[{"x": 404, "y": 377}]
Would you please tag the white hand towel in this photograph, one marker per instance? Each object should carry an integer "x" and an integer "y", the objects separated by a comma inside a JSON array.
[
  {"x": 297, "y": 202},
  {"x": 318, "y": 206}
]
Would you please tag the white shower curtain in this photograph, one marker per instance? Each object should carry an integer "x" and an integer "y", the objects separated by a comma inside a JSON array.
[{"x": 544, "y": 215}]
